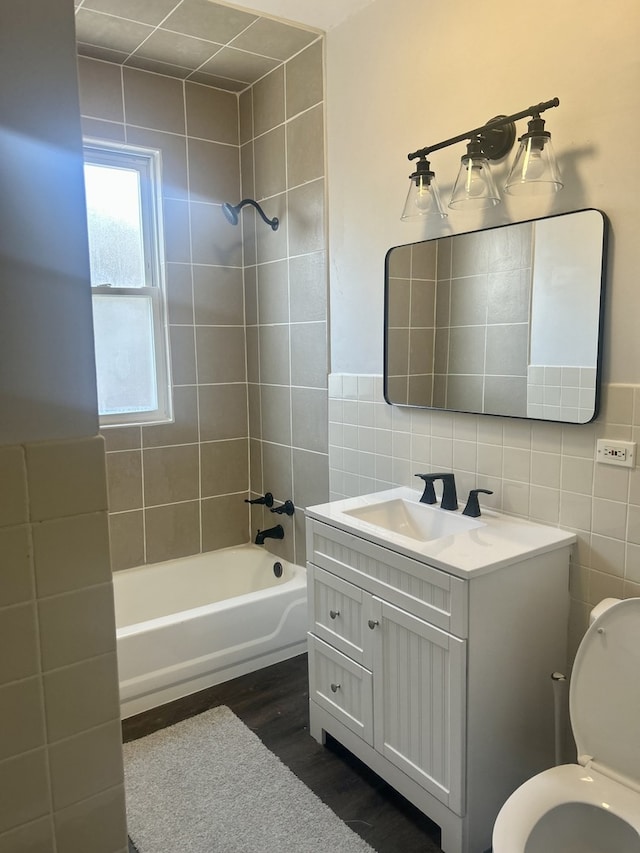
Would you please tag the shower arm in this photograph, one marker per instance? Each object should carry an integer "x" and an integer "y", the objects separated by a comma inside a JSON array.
[{"x": 274, "y": 223}]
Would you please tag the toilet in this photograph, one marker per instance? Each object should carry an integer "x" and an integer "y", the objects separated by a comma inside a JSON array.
[{"x": 592, "y": 806}]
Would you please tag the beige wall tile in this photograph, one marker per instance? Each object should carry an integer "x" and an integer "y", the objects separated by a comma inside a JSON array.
[
  {"x": 94, "y": 687},
  {"x": 174, "y": 158},
  {"x": 172, "y": 531},
  {"x": 66, "y": 478},
  {"x": 214, "y": 171},
  {"x": 221, "y": 354},
  {"x": 309, "y": 419},
  {"x": 70, "y": 553},
  {"x": 170, "y": 474},
  {"x": 24, "y": 782},
  {"x": 179, "y": 294},
  {"x": 274, "y": 355},
  {"x": 225, "y": 522},
  {"x": 305, "y": 147},
  {"x": 268, "y": 102},
  {"x": 309, "y": 354},
  {"x": 306, "y": 218},
  {"x": 223, "y": 411},
  {"x": 270, "y": 164},
  {"x": 76, "y": 626},
  {"x": 100, "y": 89},
  {"x": 275, "y": 402},
  {"x": 211, "y": 114},
  {"x": 18, "y": 632},
  {"x": 218, "y": 296},
  {"x": 13, "y": 486},
  {"x": 214, "y": 240},
  {"x": 124, "y": 480},
  {"x": 277, "y": 470},
  {"x": 272, "y": 245},
  {"x": 308, "y": 288},
  {"x": 246, "y": 116},
  {"x": 22, "y": 717},
  {"x": 121, "y": 438},
  {"x": 127, "y": 540},
  {"x": 304, "y": 76},
  {"x": 184, "y": 429},
  {"x": 16, "y": 570},
  {"x": 225, "y": 467},
  {"x": 153, "y": 101},
  {"x": 273, "y": 292},
  {"x": 86, "y": 764},
  {"x": 177, "y": 243},
  {"x": 97, "y": 824},
  {"x": 34, "y": 837},
  {"x": 183, "y": 355}
]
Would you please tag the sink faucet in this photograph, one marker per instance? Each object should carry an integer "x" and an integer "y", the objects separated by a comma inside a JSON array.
[
  {"x": 276, "y": 532},
  {"x": 472, "y": 508},
  {"x": 449, "y": 494}
]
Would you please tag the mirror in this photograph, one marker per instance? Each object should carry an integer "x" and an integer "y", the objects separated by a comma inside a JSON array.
[{"x": 505, "y": 321}]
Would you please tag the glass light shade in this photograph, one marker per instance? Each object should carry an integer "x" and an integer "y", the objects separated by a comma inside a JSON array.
[
  {"x": 423, "y": 198},
  {"x": 535, "y": 170},
  {"x": 474, "y": 187}
]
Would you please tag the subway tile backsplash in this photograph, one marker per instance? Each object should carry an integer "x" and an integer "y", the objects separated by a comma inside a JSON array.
[{"x": 537, "y": 470}]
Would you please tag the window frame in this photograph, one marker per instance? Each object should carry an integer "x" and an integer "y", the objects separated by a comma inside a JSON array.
[{"x": 148, "y": 163}]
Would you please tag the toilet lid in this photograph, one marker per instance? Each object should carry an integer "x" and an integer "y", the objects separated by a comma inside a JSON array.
[{"x": 604, "y": 696}]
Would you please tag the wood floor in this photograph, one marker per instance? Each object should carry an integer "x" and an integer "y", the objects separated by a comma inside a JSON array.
[{"x": 273, "y": 703}]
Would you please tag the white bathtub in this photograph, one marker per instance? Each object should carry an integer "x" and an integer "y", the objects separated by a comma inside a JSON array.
[{"x": 188, "y": 624}]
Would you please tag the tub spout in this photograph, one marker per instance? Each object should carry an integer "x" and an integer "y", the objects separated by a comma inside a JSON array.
[{"x": 276, "y": 532}]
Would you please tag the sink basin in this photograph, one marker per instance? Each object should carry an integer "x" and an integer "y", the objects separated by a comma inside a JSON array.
[{"x": 416, "y": 520}]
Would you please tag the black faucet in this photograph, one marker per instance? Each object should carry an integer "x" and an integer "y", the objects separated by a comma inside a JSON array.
[
  {"x": 287, "y": 508},
  {"x": 472, "y": 508},
  {"x": 276, "y": 532},
  {"x": 449, "y": 494},
  {"x": 266, "y": 499}
]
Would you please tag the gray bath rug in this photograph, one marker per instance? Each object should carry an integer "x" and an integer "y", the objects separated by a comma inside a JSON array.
[{"x": 209, "y": 785}]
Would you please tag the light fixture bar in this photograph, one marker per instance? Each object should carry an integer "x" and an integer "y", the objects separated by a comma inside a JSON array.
[{"x": 493, "y": 124}]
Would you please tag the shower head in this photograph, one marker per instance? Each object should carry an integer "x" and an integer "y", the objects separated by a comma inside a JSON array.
[{"x": 231, "y": 212}]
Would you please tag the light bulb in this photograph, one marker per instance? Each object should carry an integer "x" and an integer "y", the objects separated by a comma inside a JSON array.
[
  {"x": 533, "y": 165},
  {"x": 423, "y": 196},
  {"x": 474, "y": 183}
]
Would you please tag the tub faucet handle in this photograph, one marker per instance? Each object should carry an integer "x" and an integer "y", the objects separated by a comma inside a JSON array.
[
  {"x": 287, "y": 508},
  {"x": 266, "y": 499}
]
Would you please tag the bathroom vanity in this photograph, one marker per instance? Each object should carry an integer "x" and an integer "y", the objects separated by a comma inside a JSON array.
[{"x": 432, "y": 637}]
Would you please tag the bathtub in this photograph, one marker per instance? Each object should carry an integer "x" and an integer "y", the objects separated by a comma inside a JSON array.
[{"x": 187, "y": 624}]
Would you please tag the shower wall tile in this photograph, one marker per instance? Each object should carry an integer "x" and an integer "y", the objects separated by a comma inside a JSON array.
[
  {"x": 183, "y": 430},
  {"x": 305, "y": 147},
  {"x": 96, "y": 824},
  {"x": 22, "y": 717},
  {"x": 224, "y": 467},
  {"x": 13, "y": 486},
  {"x": 268, "y": 102},
  {"x": 211, "y": 114},
  {"x": 100, "y": 90},
  {"x": 172, "y": 531},
  {"x": 153, "y": 101},
  {"x": 304, "y": 79},
  {"x": 36, "y": 836},
  {"x": 225, "y": 521},
  {"x": 309, "y": 354},
  {"x": 221, "y": 354},
  {"x": 124, "y": 472},
  {"x": 16, "y": 575},
  {"x": 306, "y": 218},
  {"x": 24, "y": 781},
  {"x": 223, "y": 411},
  {"x": 126, "y": 531},
  {"x": 273, "y": 292},
  {"x": 171, "y": 474},
  {"x": 270, "y": 164},
  {"x": 218, "y": 296},
  {"x": 214, "y": 171}
]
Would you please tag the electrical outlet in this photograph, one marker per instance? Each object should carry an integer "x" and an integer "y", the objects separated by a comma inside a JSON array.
[{"x": 621, "y": 453}]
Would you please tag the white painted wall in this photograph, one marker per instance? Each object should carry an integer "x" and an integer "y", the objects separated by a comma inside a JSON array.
[{"x": 402, "y": 74}]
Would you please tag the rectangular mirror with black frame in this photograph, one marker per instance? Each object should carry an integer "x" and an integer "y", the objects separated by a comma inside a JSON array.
[{"x": 504, "y": 321}]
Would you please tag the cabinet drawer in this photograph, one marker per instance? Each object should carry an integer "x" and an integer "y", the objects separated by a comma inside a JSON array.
[
  {"x": 335, "y": 612},
  {"x": 431, "y": 594},
  {"x": 342, "y": 687}
]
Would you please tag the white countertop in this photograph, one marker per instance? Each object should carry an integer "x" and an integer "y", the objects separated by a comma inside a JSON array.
[{"x": 500, "y": 540}]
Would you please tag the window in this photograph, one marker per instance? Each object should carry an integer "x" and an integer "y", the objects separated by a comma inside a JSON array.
[{"x": 125, "y": 249}]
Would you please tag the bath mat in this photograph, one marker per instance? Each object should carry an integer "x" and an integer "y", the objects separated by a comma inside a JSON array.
[{"x": 209, "y": 785}]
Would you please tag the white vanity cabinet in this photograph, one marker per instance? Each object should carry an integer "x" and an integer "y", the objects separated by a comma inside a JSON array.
[{"x": 440, "y": 683}]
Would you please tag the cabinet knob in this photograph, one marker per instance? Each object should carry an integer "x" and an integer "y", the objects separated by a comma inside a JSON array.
[
  {"x": 334, "y": 613},
  {"x": 335, "y": 688},
  {"x": 372, "y": 623}
]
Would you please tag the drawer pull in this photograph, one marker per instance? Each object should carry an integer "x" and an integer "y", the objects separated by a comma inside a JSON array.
[
  {"x": 334, "y": 613},
  {"x": 372, "y": 623},
  {"x": 335, "y": 687}
]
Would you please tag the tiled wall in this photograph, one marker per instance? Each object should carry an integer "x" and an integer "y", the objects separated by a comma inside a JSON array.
[
  {"x": 542, "y": 471},
  {"x": 61, "y": 778},
  {"x": 282, "y": 158},
  {"x": 178, "y": 489}
]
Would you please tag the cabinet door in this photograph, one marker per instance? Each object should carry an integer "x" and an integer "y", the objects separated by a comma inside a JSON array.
[{"x": 419, "y": 700}]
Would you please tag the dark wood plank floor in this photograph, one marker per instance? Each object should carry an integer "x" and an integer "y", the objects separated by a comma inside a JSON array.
[{"x": 273, "y": 702}]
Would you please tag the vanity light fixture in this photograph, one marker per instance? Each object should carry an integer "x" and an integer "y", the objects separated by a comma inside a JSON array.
[{"x": 534, "y": 169}]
